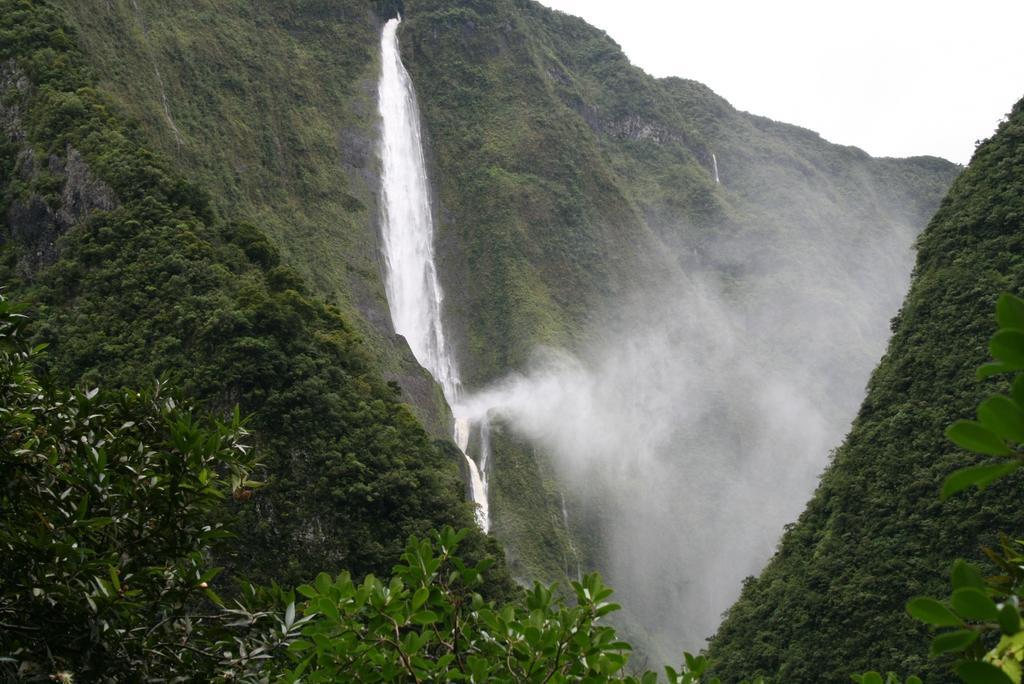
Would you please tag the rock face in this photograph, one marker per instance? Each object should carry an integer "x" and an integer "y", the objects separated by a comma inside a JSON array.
[
  {"x": 36, "y": 223},
  {"x": 58, "y": 193},
  {"x": 81, "y": 192}
]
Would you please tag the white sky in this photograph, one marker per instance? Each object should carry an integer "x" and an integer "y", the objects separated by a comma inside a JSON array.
[{"x": 896, "y": 78}]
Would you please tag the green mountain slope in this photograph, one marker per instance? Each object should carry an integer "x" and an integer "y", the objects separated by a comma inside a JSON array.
[
  {"x": 563, "y": 172},
  {"x": 566, "y": 179},
  {"x": 831, "y": 601},
  {"x": 133, "y": 275},
  {"x": 273, "y": 111}
]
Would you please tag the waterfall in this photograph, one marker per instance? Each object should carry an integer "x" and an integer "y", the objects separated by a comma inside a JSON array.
[
  {"x": 714, "y": 161},
  {"x": 407, "y": 227},
  {"x": 568, "y": 534}
]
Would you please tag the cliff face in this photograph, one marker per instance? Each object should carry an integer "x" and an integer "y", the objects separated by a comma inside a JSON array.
[
  {"x": 568, "y": 181},
  {"x": 272, "y": 110},
  {"x": 830, "y": 602},
  {"x": 62, "y": 192},
  {"x": 565, "y": 172},
  {"x": 133, "y": 275}
]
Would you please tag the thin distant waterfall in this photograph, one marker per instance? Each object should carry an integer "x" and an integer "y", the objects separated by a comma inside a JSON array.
[
  {"x": 413, "y": 291},
  {"x": 714, "y": 161},
  {"x": 568, "y": 535}
]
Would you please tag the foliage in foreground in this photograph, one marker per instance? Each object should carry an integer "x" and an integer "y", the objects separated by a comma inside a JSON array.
[
  {"x": 105, "y": 519},
  {"x": 428, "y": 624},
  {"x": 105, "y": 528}
]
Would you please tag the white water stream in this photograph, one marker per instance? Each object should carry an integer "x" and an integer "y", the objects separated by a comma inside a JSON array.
[
  {"x": 414, "y": 293},
  {"x": 568, "y": 536}
]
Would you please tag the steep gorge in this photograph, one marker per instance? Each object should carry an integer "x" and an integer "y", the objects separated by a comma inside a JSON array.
[
  {"x": 566, "y": 182},
  {"x": 579, "y": 210},
  {"x": 876, "y": 533}
]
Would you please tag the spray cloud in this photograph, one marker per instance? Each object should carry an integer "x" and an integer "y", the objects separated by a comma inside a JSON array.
[{"x": 695, "y": 425}]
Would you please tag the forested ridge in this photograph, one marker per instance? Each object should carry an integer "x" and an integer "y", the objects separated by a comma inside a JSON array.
[{"x": 875, "y": 532}]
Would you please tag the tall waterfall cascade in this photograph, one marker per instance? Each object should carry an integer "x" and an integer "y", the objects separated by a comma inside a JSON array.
[
  {"x": 714, "y": 161},
  {"x": 407, "y": 227}
]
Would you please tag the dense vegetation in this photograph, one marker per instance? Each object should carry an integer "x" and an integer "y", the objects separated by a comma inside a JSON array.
[
  {"x": 875, "y": 534},
  {"x": 271, "y": 110},
  {"x": 107, "y": 523},
  {"x": 105, "y": 516},
  {"x": 984, "y": 614},
  {"x": 146, "y": 279}
]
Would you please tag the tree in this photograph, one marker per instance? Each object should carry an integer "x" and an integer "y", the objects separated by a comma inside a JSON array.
[
  {"x": 106, "y": 519},
  {"x": 981, "y": 618}
]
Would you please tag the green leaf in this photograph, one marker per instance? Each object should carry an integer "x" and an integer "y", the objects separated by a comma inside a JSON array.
[
  {"x": 980, "y": 475},
  {"x": 1009, "y": 620},
  {"x": 953, "y": 641},
  {"x": 114, "y": 579},
  {"x": 1008, "y": 346},
  {"x": 974, "y": 604},
  {"x": 989, "y": 369},
  {"x": 420, "y": 597},
  {"x": 1002, "y": 416},
  {"x": 213, "y": 596},
  {"x": 1017, "y": 390},
  {"x": 425, "y": 617},
  {"x": 1010, "y": 311},
  {"x": 977, "y": 672},
  {"x": 329, "y": 609},
  {"x": 289, "y": 615},
  {"x": 913, "y": 679},
  {"x": 966, "y": 575},
  {"x": 975, "y": 437},
  {"x": 210, "y": 574},
  {"x": 871, "y": 678},
  {"x": 931, "y": 612},
  {"x": 323, "y": 582}
]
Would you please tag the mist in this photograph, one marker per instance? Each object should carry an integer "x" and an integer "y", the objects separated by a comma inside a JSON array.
[{"x": 695, "y": 424}]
